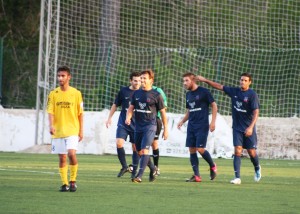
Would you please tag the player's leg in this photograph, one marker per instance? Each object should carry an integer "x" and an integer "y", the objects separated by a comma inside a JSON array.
[
  {"x": 143, "y": 142},
  {"x": 155, "y": 148},
  {"x": 191, "y": 143},
  {"x": 201, "y": 140},
  {"x": 63, "y": 172},
  {"x": 72, "y": 147},
  {"x": 238, "y": 148},
  {"x": 121, "y": 136},
  {"x": 251, "y": 145},
  {"x": 58, "y": 147},
  {"x": 135, "y": 156}
]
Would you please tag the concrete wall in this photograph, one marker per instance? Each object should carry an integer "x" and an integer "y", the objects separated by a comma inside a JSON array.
[{"x": 278, "y": 137}]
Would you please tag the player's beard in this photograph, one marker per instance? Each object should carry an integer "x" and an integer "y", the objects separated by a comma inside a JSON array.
[{"x": 188, "y": 87}]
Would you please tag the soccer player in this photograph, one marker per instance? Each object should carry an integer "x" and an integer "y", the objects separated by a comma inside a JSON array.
[
  {"x": 146, "y": 102},
  {"x": 65, "y": 112},
  {"x": 123, "y": 131},
  {"x": 198, "y": 100},
  {"x": 155, "y": 149},
  {"x": 245, "y": 110}
]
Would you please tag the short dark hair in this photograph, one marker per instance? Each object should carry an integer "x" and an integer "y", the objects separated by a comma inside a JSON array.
[
  {"x": 149, "y": 72},
  {"x": 247, "y": 75},
  {"x": 189, "y": 74},
  {"x": 134, "y": 74},
  {"x": 64, "y": 68}
]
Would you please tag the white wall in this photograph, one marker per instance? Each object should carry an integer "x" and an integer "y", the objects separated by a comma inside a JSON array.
[{"x": 278, "y": 137}]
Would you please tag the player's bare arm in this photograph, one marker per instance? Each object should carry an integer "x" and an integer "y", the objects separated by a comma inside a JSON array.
[
  {"x": 214, "y": 110},
  {"x": 184, "y": 119},
  {"x": 113, "y": 109},
  {"x": 165, "y": 123},
  {"x": 80, "y": 135},
  {"x": 51, "y": 122},
  {"x": 129, "y": 114},
  {"x": 209, "y": 82},
  {"x": 249, "y": 130}
]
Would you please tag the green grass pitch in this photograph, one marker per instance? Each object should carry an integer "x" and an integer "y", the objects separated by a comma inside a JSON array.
[{"x": 29, "y": 184}]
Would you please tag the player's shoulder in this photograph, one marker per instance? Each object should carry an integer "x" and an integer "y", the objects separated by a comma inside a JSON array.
[
  {"x": 124, "y": 88},
  {"x": 73, "y": 89},
  {"x": 155, "y": 92},
  {"x": 55, "y": 90},
  {"x": 252, "y": 92},
  {"x": 202, "y": 89}
]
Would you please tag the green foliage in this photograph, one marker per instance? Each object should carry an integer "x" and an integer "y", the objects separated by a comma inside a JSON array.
[{"x": 19, "y": 26}]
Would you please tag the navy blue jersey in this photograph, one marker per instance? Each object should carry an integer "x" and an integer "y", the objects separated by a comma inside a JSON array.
[
  {"x": 197, "y": 102},
  {"x": 243, "y": 104},
  {"x": 146, "y": 105},
  {"x": 123, "y": 99}
]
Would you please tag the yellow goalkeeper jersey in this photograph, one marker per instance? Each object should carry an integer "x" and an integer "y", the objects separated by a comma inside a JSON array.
[{"x": 66, "y": 106}]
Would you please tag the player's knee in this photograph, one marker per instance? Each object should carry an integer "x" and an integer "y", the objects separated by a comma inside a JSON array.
[
  {"x": 155, "y": 145},
  {"x": 201, "y": 150},
  {"x": 252, "y": 153},
  {"x": 192, "y": 150}
]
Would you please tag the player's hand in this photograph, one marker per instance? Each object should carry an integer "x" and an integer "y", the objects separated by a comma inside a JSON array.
[
  {"x": 248, "y": 132},
  {"x": 179, "y": 124},
  {"x": 108, "y": 123},
  {"x": 200, "y": 78},
  {"x": 127, "y": 121},
  {"x": 165, "y": 134},
  {"x": 212, "y": 127},
  {"x": 80, "y": 135},
  {"x": 52, "y": 130}
]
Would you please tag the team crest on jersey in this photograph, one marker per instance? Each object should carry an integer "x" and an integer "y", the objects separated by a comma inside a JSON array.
[
  {"x": 148, "y": 100},
  {"x": 142, "y": 105},
  {"x": 246, "y": 99},
  {"x": 239, "y": 104},
  {"x": 197, "y": 97},
  {"x": 192, "y": 105}
]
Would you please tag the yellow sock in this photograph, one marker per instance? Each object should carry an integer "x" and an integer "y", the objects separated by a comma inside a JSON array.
[
  {"x": 73, "y": 172},
  {"x": 64, "y": 175}
]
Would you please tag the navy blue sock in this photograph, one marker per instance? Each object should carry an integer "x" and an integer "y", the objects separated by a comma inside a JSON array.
[
  {"x": 151, "y": 165},
  {"x": 155, "y": 157},
  {"x": 121, "y": 156},
  {"x": 255, "y": 162},
  {"x": 195, "y": 163},
  {"x": 237, "y": 165},
  {"x": 206, "y": 156},
  {"x": 135, "y": 161},
  {"x": 143, "y": 164}
]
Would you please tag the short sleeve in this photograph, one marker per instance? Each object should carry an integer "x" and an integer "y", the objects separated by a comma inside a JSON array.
[{"x": 50, "y": 103}]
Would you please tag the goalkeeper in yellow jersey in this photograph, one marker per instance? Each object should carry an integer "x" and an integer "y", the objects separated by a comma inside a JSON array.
[{"x": 65, "y": 111}]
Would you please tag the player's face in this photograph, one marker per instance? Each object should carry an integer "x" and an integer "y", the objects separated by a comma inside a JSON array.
[
  {"x": 245, "y": 83},
  {"x": 63, "y": 78},
  {"x": 146, "y": 82},
  {"x": 188, "y": 83},
  {"x": 135, "y": 82}
]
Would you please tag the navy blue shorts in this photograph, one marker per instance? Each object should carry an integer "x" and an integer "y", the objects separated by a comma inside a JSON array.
[
  {"x": 239, "y": 139},
  {"x": 159, "y": 127},
  {"x": 143, "y": 140},
  {"x": 197, "y": 139},
  {"x": 123, "y": 133}
]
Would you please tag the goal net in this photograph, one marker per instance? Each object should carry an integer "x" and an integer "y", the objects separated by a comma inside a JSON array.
[{"x": 104, "y": 40}]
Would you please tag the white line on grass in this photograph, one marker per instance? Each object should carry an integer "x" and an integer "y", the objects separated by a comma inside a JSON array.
[{"x": 20, "y": 170}]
